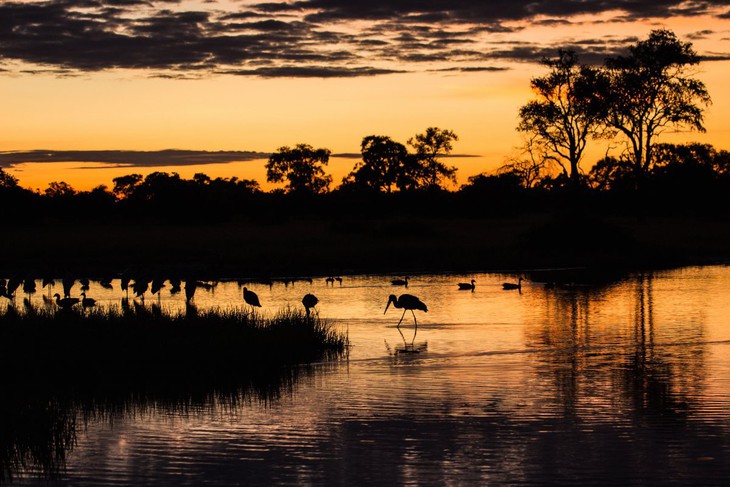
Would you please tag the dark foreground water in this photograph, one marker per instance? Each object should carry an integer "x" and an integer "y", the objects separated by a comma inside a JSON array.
[{"x": 623, "y": 383}]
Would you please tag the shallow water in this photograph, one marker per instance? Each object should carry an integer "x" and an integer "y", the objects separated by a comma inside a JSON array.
[{"x": 623, "y": 383}]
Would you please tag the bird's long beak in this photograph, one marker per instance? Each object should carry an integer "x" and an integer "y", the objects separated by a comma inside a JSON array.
[{"x": 386, "y": 307}]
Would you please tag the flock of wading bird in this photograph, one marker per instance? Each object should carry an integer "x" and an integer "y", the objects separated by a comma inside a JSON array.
[{"x": 141, "y": 285}]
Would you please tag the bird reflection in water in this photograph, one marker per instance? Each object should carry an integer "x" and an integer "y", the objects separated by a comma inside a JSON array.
[
  {"x": 407, "y": 302},
  {"x": 406, "y": 347}
]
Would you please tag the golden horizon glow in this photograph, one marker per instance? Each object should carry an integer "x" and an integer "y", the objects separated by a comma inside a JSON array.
[{"x": 128, "y": 110}]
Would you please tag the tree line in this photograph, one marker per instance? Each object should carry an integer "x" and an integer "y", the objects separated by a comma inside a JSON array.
[{"x": 631, "y": 100}]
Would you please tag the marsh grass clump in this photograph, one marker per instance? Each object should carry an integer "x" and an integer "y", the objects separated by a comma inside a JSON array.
[
  {"x": 140, "y": 340},
  {"x": 61, "y": 369}
]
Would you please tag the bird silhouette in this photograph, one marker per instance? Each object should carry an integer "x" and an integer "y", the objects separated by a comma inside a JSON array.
[
  {"x": 157, "y": 284},
  {"x": 65, "y": 303},
  {"x": 464, "y": 286},
  {"x": 330, "y": 280},
  {"x": 309, "y": 301},
  {"x": 400, "y": 282},
  {"x": 125, "y": 284},
  {"x": 175, "y": 285},
  {"x": 251, "y": 298},
  {"x": 338, "y": 279},
  {"x": 29, "y": 286},
  {"x": 511, "y": 285},
  {"x": 68, "y": 283},
  {"x": 13, "y": 284},
  {"x": 406, "y": 302},
  {"x": 140, "y": 286},
  {"x": 190, "y": 286},
  {"x": 87, "y": 302}
]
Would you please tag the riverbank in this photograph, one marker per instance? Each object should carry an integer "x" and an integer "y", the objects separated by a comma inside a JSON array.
[{"x": 321, "y": 247}]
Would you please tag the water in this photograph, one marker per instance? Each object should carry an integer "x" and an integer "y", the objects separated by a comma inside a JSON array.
[{"x": 623, "y": 383}]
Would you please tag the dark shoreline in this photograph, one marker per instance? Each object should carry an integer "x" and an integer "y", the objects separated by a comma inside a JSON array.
[{"x": 397, "y": 245}]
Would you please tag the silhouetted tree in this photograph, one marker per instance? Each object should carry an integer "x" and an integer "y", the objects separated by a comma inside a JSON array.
[
  {"x": 611, "y": 173},
  {"x": 384, "y": 165},
  {"x": 429, "y": 146},
  {"x": 530, "y": 166},
  {"x": 651, "y": 90},
  {"x": 60, "y": 189},
  {"x": 124, "y": 186},
  {"x": 301, "y": 167},
  {"x": 566, "y": 112},
  {"x": 7, "y": 180}
]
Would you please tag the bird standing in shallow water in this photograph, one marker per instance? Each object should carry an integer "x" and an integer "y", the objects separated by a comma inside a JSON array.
[
  {"x": 406, "y": 302},
  {"x": 511, "y": 285},
  {"x": 251, "y": 298},
  {"x": 463, "y": 286},
  {"x": 190, "y": 286},
  {"x": 309, "y": 301}
]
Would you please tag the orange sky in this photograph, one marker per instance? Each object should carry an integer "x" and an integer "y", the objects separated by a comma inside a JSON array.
[{"x": 128, "y": 108}]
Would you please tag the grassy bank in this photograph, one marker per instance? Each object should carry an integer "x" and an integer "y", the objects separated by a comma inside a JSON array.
[
  {"x": 390, "y": 244},
  {"x": 116, "y": 343}
]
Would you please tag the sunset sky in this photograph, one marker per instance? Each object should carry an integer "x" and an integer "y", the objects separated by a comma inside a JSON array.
[{"x": 148, "y": 75}]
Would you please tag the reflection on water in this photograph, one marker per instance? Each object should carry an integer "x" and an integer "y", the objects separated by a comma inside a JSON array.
[{"x": 627, "y": 382}]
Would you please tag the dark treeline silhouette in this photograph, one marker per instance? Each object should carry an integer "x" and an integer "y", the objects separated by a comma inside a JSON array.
[
  {"x": 686, "y": 178},
  {"x": 399, "y": 209}
]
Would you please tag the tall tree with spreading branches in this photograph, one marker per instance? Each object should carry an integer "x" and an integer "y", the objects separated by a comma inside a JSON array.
[
  {"x": 566, "y": 112},
  {"x": 652, "y": 90}
]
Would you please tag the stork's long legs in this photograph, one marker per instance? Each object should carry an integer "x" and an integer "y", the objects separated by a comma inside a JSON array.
[
  {"x": 401, "y": 318},
  {"x": 414, "y": 319}
]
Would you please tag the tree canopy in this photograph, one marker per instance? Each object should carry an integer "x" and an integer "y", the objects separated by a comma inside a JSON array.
[
  {"x": 302, "y": 168},
  {"x": 566, "y": 111},
  {"x": 652, "y": 89}
]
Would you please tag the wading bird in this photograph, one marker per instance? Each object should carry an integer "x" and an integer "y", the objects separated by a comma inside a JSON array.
[
  {"x": 29, "y": 286},
  {"x": 13, "y": 284},
  {"x": 309, "y": 301},
  {"x": 140, "y": 286},
  {"x": 157, "y": 284},
  {"x": 329, "y": 280},
  {"x": 463, "y": 286},
  {"x": 400, "y": 282},
  {"x": 87, "y": 302},
  {"x": 251, "y": 298},
  {"x": 175, "y": 284},
  {"x": 338, "y": 279},
  {"x": 124, "y": 285},
  {"x": 190, "y": 286},
  {"x": 512, "y": 285},
  {"x": 68, "y": 283},
  {"x": 406, "y": 302},
  {"x": 65, "y": 303}
]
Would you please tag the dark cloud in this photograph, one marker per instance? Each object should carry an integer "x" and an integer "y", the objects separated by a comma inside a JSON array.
[
  {"x": 130, "y": 158},
  {"x": 301, "y": 38},
  {"x": 312, "y": 72}
]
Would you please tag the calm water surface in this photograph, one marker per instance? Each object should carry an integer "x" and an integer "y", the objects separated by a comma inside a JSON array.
[{"x": 624, "y": 383}]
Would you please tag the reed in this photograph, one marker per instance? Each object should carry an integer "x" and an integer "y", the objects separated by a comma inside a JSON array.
[{"x": 116, "y": 343}]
